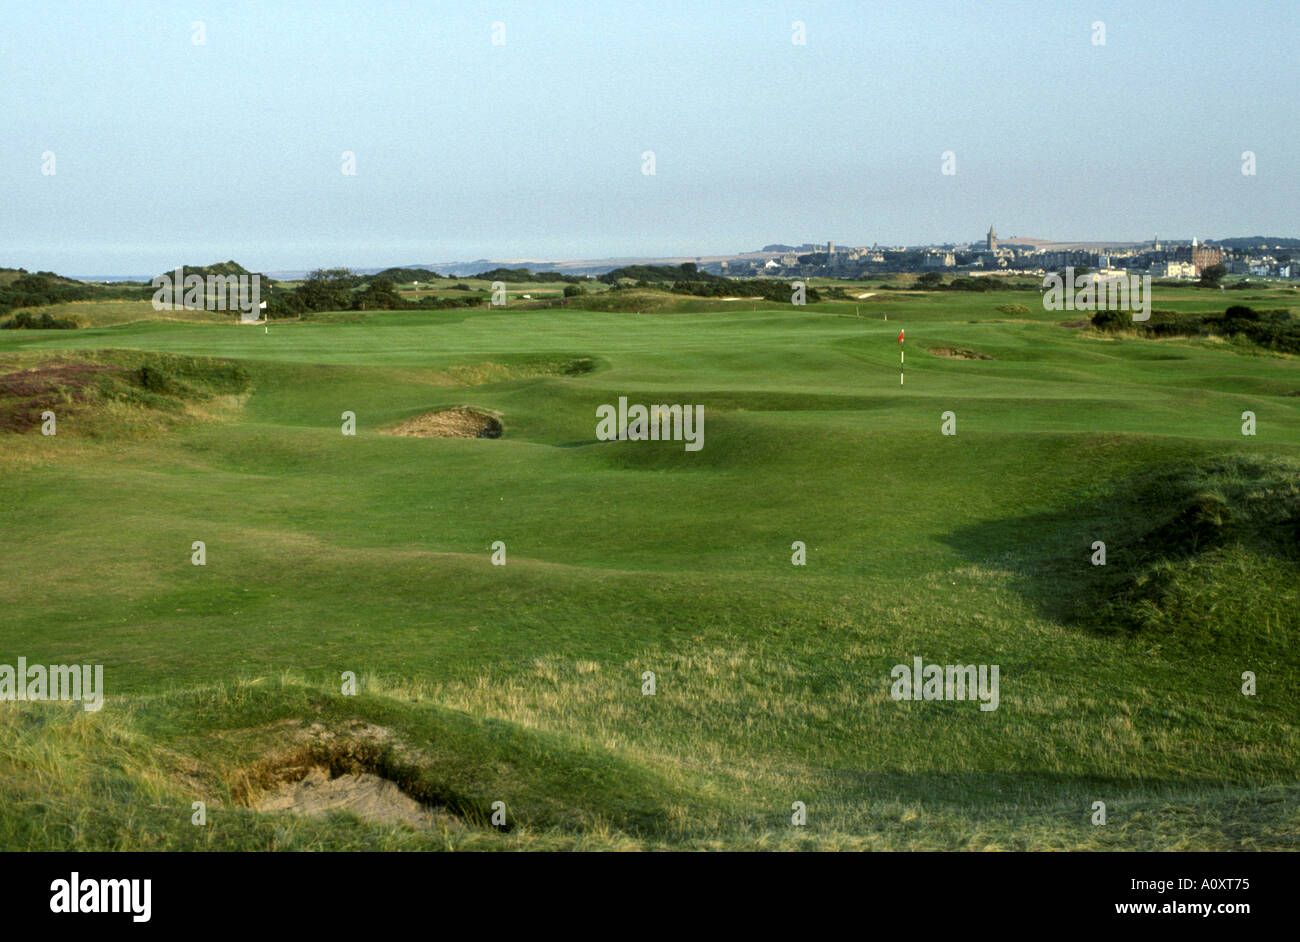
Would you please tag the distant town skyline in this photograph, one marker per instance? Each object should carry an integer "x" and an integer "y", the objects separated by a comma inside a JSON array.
[{"x": 1173, "y": 257}]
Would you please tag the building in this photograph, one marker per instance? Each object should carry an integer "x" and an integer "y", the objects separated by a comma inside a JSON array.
[
  {"x": 991, "y": 240},
  {"x": 1173, "y": 270},
  {"x": 1203, "y": 256}
]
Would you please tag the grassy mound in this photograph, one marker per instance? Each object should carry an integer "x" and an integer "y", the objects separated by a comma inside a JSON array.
[
  {"x": 109, "y": 392},
  {"x": 1215, "y": 559},
  {"x": 628, "y": 301}
]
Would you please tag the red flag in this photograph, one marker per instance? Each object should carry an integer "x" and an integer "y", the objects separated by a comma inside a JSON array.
[{"x": 900, "y": 336}]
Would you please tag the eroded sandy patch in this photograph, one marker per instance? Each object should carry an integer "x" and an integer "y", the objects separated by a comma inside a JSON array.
[
  {"x": 959, "y": 353},
  {"x": 371, "y": 798},
  {"x": 360, "y": 769}
]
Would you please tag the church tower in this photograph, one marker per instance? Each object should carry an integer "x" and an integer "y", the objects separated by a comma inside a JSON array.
[{"x": 992, "y": 240}]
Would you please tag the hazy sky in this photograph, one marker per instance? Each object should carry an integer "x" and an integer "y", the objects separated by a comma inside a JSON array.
[{"x": 167, "y": 152}]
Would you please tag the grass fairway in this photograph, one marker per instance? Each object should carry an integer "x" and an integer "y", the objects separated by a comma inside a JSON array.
[{"x": 523, "y": 683}]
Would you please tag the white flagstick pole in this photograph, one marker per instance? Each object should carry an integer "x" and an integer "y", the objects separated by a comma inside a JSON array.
[{"x": 900, "y": 359}]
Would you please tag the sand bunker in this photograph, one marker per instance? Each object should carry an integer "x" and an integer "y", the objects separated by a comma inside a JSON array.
[
  {"x": 460, "y": 422},
  {"x": 369, "y": 797},
  {"x": 957, "y": 353},
  {"x": 357, "y": 770}
]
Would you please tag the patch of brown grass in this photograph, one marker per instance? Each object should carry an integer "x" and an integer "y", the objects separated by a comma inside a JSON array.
[{"x": 25, "y": 394}]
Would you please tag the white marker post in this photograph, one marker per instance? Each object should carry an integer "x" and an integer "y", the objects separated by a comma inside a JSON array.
[{"x": 900, "y": 357}]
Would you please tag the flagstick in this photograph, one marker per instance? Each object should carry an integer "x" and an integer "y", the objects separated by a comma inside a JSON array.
[{"x": 900, "y": 363}]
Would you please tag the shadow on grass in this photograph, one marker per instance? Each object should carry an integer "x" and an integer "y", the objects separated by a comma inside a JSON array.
[{"x": 1193, "y": 551}]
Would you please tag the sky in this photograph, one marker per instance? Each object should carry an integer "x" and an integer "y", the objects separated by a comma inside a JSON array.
[{"x": 167, "y": 151}]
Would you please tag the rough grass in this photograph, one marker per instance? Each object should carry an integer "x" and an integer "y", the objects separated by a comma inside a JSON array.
[
  {"x": 105, "y": 394},
  {"x": 128, "y": 779}
]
